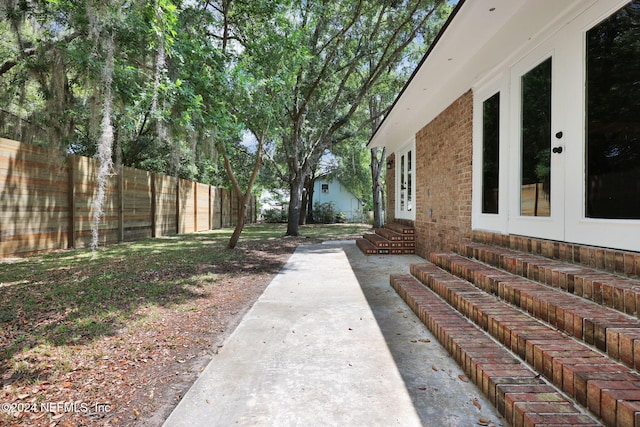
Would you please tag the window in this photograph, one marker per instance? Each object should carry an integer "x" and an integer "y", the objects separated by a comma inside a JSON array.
[
  {"x": 405, "y": 183},
  {"x": 325, "y": 188},
  {"x": 490, "y": 153},
  {"x": 613, "y": 116}
]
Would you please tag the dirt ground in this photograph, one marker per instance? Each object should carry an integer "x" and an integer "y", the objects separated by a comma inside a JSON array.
[{"x": 138, "y": 375}]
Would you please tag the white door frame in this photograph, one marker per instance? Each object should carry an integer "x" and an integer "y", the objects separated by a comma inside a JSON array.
[
  {"x": 406, "y": 177},
  {"x": 568, "y": 222},
  {"x": 547, "y": 227}
]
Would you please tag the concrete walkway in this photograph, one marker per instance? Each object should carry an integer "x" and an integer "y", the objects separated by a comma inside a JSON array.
[{"x": 329, "y": 343}]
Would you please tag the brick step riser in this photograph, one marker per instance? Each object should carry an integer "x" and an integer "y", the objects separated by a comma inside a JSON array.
[
  {"x": 608, "y": 389},
  {"x": 400, "y": 229},
  {"x": 380, "y": 242},
  {"x": 385, "y": 241},
  {"x": 617, "y": 292},
  {"x": 610, "y": 331},
  {"x": 610, "y": 260},
  {"x": 514, "y": 389},
  {"x": 377, "y": 241}
]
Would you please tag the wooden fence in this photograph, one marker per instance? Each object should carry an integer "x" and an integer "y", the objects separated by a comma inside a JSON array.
[{"x": 46, "y": 202}]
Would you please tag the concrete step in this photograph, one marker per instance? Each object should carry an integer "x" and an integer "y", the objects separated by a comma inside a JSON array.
[
  {"x": 609, "y": 330},
  {"x": 610, "y": 390},
  {"x": 519, "y": 394},
  {"x": 609, "y": 289}
]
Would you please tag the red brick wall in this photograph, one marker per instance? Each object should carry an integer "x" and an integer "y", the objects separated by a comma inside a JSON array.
[{"x": 443, "y": 173}]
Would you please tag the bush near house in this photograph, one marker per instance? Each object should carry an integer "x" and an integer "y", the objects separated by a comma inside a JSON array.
[
  {"x": 326, "y": 213},
  {"x": 275, "y": 216}
]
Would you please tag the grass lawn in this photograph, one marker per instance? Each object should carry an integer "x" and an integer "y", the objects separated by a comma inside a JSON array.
[{"x": 124, "y": 331}]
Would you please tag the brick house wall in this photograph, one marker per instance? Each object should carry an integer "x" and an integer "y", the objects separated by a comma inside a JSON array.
[{"x": 443, "y": 173}]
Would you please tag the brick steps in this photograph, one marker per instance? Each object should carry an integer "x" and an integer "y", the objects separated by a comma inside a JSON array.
[
  {"x": 609, "y": 330},
  {"x": 626, "y": 263},
  {"x": 400, "y": 228},
  {"x": 518, "y": 393},
  {"x": 608, "y": 389},
  {"x": 367, "y": 247},
  {"x": 394, "y": 239},
  {"x": 377, "y": 240},
  {"x": 576, "y": 327},
  {"x": 612, "y": 290},
  {"x": 390, "y": 235}
]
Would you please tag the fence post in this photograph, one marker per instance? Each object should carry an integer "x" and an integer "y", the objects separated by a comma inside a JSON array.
[
  {"x": 71, "y": 234},
  {"x": 153, "y": 205},
  {"x": 194, "y": 185},
  {"x": 121, "y": 204},
  {"x": 177, "y": 205},
  {"x": 221, "y": 206}
]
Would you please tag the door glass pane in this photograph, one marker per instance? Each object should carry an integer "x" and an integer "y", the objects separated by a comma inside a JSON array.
[
  {"x": 402, "y": 181},
  {"x": 490, "y": 153},
  {"x": 409, "y": 182},
  {"x": 536, "y": 141},
  {"x": 613, "y": 116}
]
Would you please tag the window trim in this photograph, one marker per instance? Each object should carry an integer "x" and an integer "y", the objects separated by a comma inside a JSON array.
[
  {"x": 406, "y": 214},
  {"x": 479, "y": 220}
]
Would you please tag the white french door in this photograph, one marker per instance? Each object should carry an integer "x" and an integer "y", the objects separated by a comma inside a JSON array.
[
  {"x": 405, "y": 183},
  {"x": 538, "y": 146},
  {"x": 603, "y": 172},
  {"x": 566, "y": 116}
]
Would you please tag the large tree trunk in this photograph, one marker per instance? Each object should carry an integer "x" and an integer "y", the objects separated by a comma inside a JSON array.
[
  {"x": 376, "y": 171},
  {"x": 310, "y": 187},
  {"x": 295, "y": 203}
]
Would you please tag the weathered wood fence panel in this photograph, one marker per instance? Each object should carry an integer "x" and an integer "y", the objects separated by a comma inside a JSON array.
[
  {"x": 85, "y": 190},
  {"x": 202, "y": 207},
  {"x": 216, "y": 207},
  {"x": 186, "y": 206},
  {"x": 225, "y": 206},
  {"x": 46, "y": 202},
  {"x": 166, "y": 220},
  {"x": 137, "y": 209},
  {"x": 34, "y": 204}
]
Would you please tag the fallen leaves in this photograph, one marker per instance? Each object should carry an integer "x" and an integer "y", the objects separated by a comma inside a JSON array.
[
  {"x": 140, "y": 367},
  {"x": 463, "y": 378},
  {"x": 476, "y": 403}
]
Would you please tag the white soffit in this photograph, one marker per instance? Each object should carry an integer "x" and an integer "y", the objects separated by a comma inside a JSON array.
[{"x": 483, "y": 35}]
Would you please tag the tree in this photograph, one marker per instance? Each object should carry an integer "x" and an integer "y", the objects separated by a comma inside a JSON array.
[
  {"x": 189, "y": 78},
  {"x": 336, "y": 54}
]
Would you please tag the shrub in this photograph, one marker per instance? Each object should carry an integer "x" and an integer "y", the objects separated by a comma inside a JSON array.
[
  {"x": 275, "y": 215},
  {"x": 324, "y": 212}
]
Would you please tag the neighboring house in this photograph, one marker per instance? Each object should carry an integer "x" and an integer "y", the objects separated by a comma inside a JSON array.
[
  {"x": 344, "y": 201},
  {"x": 523, "y": 118},
  {"x": 273, "y": 200}
]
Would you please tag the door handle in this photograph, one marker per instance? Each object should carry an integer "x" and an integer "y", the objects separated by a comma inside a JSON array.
[{"x": 557, "y": 150}]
